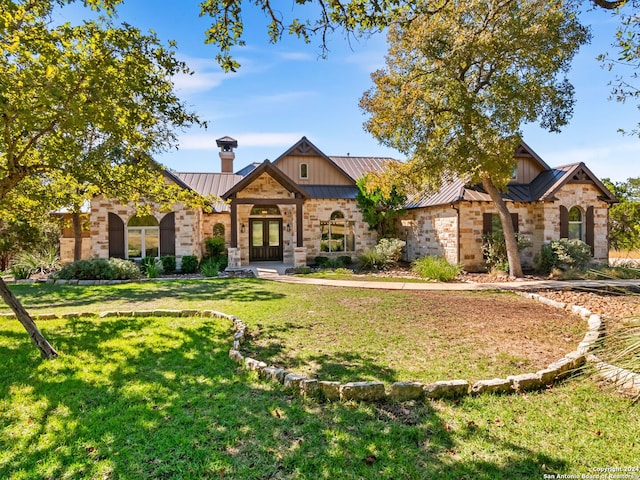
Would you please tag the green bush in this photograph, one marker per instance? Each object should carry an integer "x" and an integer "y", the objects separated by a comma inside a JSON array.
[
  {"x": 391, "y": 248},
  {"x": 322, "y": 261},
  {"x": 168, "y": 263},
  {"x": 100, "y": 269},
  {"x": 494, "y": 249},
  {"x": 189, "y": 264},
  {"x": 210, "y": 267},
  {"x": 343, "y": 260},
  {"x": 152, "y": 267},
  {"x": 436, "y": 268},
  {"x": 563, "y": 255},
  {"x": 372, "y": 259},
  {"x": 28, "y": 263},
  {"x": 214, "y": 247}
]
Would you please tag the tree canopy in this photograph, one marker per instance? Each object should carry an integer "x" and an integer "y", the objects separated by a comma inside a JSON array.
[
  {"x": 60, "y": 83},
  {"x": 459, "y": 84},
  {"x": 624, "y": 217}
]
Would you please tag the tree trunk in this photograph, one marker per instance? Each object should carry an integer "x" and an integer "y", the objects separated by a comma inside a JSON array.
[
  {"x": 77, "y": 236},
  {"x": 27, "y": 322},
  {"x": 515, "y": 268}
]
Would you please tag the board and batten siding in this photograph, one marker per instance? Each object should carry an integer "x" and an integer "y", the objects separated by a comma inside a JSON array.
[{"x": 320, "y": 171}]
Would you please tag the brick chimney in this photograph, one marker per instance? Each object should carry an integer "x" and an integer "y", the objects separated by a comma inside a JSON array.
[{"x": 227, "y": 144}]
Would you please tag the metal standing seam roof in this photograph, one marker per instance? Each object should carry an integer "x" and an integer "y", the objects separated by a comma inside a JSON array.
[
  {"x": 209, "y": 183},
  {"x": 332, "y": 191},
  {"x": 358, "y": 167}
]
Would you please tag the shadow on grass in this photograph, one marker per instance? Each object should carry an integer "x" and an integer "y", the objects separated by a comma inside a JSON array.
[
  {"x": 159, "y": 398},
  {"x": 240, "y": 290}
]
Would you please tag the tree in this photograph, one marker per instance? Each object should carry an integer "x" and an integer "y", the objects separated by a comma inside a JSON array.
[
  {"x": 459, "y": 83},
  {"x": 58, "y": 82},
  {"x": 379, "y": 208},
  {"x": 624, "y": 217}
]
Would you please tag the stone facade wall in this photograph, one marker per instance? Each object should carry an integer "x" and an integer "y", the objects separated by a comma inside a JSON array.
[
  {"x": 207, "y": 224},
  {"x": 264, "y": 187},
  {"x": 430, "y": 231},
  {"x": 187, "y": 225},
  {"x": 433, "y": 231},
  {"x": 320, "y": 210},
  {"x": 581, "y": 195},
  {"x": 67, "y": 246}
]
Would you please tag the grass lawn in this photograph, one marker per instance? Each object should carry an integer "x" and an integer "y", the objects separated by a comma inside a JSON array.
[
  {"x": 159, "y": 398},
  {"x": 354, "y": 334}
]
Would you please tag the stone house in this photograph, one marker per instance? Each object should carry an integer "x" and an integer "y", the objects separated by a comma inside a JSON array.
[{"x": 303, "y": 204}]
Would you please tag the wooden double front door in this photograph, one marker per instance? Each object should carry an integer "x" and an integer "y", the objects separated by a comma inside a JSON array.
[{"x": 265, "y": 239}]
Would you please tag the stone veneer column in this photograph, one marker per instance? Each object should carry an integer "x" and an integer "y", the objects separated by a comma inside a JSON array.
[
  {"x": 300, "y": 257},
  {"x": 234, "y": 261}
]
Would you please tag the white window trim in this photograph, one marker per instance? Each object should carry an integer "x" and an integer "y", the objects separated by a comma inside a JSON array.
[
  {"x": 143, "y": 248},
  {"x": 305, "y": 177}
]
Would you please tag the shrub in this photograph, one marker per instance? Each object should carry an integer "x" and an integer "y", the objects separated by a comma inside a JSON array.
[
  {"x": 343, "y": 260},
  {"x": 372, "y": 259},
  {"x": 391, "y": 248},
  {"x": 152, "y": 267},
  {"x": 189, "y": 264},
  {"x": 494, "y": 249},
  {"x": 28, "y": 263},
  {"x": 321, "y": 261},
  {"x": 100, "y": 269},
  {"x": 214, "y": 247},
  {"x": 209, "y": 267},
  {"x": 168, "y": 263},
  {"x": 563, "y": 255},
  {"x": 436, "y": 268}
]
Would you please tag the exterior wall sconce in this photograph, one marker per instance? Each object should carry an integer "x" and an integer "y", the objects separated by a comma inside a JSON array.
[
  {"x": 288, "y": 227},
  {"x": 242, "y": 228}
]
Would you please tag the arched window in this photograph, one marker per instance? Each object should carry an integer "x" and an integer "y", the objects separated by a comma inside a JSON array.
[
  {"x": 218, "y": 230},
  {"x": 576, "y": 224},
  {"x": 338, "y": 234},
  {"x": 265, "y": 210},
  {"x": 143, "y": 237}
]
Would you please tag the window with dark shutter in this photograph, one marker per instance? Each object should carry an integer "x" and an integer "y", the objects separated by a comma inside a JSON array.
[
  {"x": 564, "y": 222},
  {"x": 116, "y": 236},
  {"x": 491, "y": 223},
  {"x": 168, "y": 234},
  {"x": 589, "y": 228}
]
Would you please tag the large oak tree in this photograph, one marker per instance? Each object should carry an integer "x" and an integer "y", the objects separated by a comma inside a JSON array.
[
  {"x": 60, "y": 81},
  {"x": 460, "y": 82}
]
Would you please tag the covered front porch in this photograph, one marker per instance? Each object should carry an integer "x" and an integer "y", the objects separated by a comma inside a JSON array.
[{"x": 266, "y": 219}]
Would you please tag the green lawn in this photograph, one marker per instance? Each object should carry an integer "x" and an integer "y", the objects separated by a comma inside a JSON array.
[{"x": 159, "y": 398}]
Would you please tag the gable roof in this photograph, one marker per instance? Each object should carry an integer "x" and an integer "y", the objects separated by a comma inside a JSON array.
[
  {"x": 542, "y": 188},
  {"x": 271, "y": 170},
  {"x": 304, "y": 147}
]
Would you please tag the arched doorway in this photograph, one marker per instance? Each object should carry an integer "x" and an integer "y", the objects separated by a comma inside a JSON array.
[{"x": 265, "y": 234}]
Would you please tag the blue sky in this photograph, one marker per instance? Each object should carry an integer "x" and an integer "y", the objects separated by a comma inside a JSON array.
[{"x": 285, "y": 91}]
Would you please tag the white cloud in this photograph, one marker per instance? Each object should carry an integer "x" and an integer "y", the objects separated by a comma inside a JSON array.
[
  {"x": 296, "y": 56},
  {"x": 197, "y": 82},
  {"x": 280, "y": 98}
]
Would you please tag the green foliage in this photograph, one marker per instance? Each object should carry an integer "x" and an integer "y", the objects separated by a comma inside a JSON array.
[
  {"x": 58, "y": 82},
  {"x": 344, "y": 260},
  {"x": 100, "y": 269},
  {"x": 189, "y": 264},
  {"x": 564, "y": 255},
  {"x": 372, "y": 259},
  {"x": 214, "y": 246},
  {"x": 26, "y": 233},
  {"x": 152, "y": 267},
  {"x": 322, "y": 261},
  {"x": 624, "y": 217},
  {"x": 391, "y": 249},
  {"x": 380, "y": 211},
  {"x": 168, "y": 263},
  {"x": 44, "y": 262},
  {"x": 436, "y": 268},
  {"x": 494, "y": 249},
  {"x": 383, "y": 256},
  {"x": 209, "y": 267}
]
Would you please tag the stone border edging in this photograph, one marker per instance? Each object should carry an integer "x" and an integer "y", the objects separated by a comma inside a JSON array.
[{"x": 405, "y": 391}]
